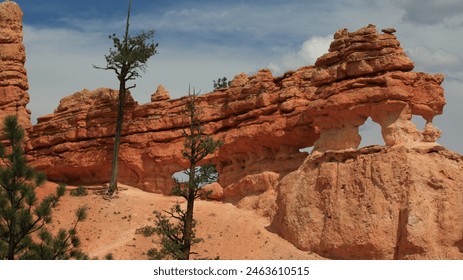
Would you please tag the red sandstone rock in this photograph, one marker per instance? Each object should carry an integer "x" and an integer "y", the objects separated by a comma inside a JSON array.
[
  {"x": 255, "y": 192},
  {"x": 13, "y": 77},
  {"x": 262, "y": 120},
  {"x": 160, "y": 94},
  {"x": 360, "y": 53},
  {"x": 74, "y": 144},
  {"x": 213, "y": 191},
  {"x": 375, "y": 203},
  {"x": 366, "y": 74}
]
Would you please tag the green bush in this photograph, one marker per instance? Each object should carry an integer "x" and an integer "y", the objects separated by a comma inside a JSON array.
[
  {"x": 80, "y": 191},
  {"x": 147, "y": 231}
]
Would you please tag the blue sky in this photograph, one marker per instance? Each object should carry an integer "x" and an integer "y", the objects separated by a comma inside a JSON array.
[{"x": 200, "y": 41}]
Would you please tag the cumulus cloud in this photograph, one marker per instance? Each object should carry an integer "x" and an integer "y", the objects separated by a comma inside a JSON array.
[
  {"x": 450, "y": 121},
  {"x": 429, "y": 59},
  {"x": 432, "y": 11},
  {"x": 59, "y": 63},
  {"x": 310, "y": 50}
]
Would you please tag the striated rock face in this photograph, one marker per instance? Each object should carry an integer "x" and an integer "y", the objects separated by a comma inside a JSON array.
[
  {"x": 367, "y": 74},
  {"x": 258, "y": 118},
  {"x": 161, "y": 94},
  {"x": 400, "y": 201},
  {"x": 375, "y": 203},
  {"x": 263, "y": 121},
  {"x": 75, "y": 142},
  {"x": 13, "y": 76}
]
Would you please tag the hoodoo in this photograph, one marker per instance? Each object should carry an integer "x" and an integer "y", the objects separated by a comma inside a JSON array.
[{"x": 13, "y": 75}]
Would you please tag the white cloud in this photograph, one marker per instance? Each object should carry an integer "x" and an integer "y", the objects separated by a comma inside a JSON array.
[
  {"x": 310, "y": 50},
  {"x": 44, "y": 39},
  {"x": 450, "y": 121},
  {"x": 429, "y": 59},
  {"x": 59, "y": 63},
  {"x": 315, "y": 47},
  {"x": 370, "y": 133},
  {"x": 430, "y": 11}
]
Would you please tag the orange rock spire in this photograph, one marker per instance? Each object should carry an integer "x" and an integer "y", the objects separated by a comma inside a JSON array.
[{"x": 13, "y": 75}]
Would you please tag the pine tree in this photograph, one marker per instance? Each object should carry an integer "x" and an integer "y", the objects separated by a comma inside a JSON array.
[
  {"x": 221, "y": 83},
  {"x": 177, "y": 228},
  {"x": 127, "y": 59},
  {"x": 23, "y": 219}
]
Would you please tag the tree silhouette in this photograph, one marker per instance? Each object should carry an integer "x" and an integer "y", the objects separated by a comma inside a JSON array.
[
  {"x": 221, "y": 83},
  {"x": 127, "y": 59}
]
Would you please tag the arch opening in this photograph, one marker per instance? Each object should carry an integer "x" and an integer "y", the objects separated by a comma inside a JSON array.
[
  {"x": 212, "y": 176},
  {"x": 306, "y": 150},
  {"x": 370, "y": 132},
  {"x": 419, "y": 122}
]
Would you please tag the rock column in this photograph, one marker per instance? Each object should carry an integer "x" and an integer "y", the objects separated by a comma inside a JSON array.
[{"x": 13, "y": 75}]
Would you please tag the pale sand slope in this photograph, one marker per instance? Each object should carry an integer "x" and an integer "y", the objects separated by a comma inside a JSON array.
[{"x": 228, "y": 232}]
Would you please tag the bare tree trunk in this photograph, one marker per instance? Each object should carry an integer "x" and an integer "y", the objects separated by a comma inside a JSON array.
[
  {"x": 188, "y": 227},
  {"x": 11, "y": 248},
  {"x": 117, "y": 138}
]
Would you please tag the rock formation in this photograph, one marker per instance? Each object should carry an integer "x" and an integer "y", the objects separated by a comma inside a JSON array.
[
  {"x": 13, "y": 76},
  {"x": 402, "y": 200},
  {"x": 375, "y": 203},
  {"x": 380, "y": 202},
  {"x": 263, "y": 120},
  {"x": 160, "y": 94},
  {"x": 366, "y": 74},
  {"x": 258, "y": 118}
]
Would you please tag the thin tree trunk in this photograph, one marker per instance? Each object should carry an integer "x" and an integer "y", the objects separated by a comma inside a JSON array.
[
  {"x": 11, "y": 249},
  {"x": 13, "y": 232},
  {"x": 188, "y": 229},
  {"x": 117, "y": 138}
]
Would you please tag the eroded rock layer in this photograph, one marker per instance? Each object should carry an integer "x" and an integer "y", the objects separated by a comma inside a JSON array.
[
  {"x": 263, "y": 120},
  {"x": 375, "y": 203},
  {"x": 367, "y": 74},
  {"x": 13, "y": 76},
  {"x": 257, "y": 118}
]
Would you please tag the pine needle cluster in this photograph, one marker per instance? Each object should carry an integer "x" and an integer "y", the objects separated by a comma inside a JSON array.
[{"x": 23, "y": 218}]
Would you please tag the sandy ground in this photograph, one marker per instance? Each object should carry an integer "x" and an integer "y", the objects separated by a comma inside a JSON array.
[{"x": 228, "y": 232}]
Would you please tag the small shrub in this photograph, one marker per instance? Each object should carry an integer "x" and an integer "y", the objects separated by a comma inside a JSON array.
[
  {"x": 221, "y": 83},
  {"x": 147, "y": 231},
  {"x": 80, "y": 191}
]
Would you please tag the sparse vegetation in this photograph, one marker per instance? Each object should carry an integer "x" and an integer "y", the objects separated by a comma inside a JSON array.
[
  {"x": 221, "y": 83},
  {"x": 170, "y": 227},
  {"x": 176, "y": 227},
  {"x": 23, "y": 219},
  {"x": 79, "y": 191},
  {"x": 147, "y": 231}
]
